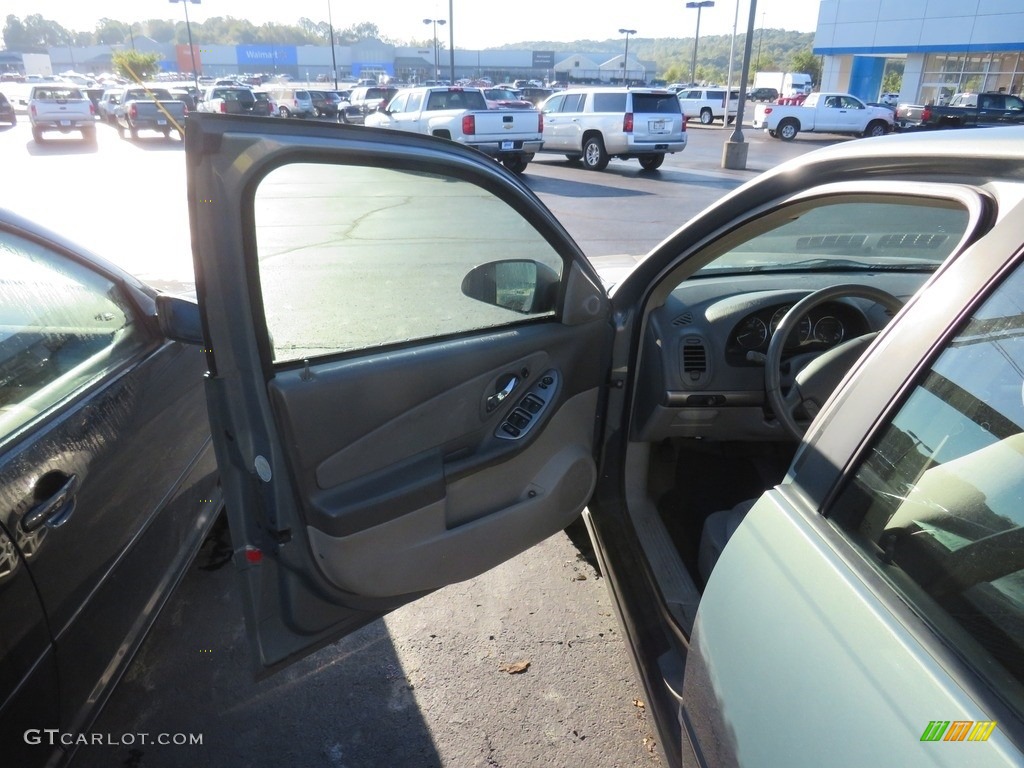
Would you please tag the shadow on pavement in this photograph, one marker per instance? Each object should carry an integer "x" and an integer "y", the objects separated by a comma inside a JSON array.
[{"x": 349, "y": 704}]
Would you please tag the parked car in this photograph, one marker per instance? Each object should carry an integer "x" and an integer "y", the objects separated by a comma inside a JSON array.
[
  {"x": 535, "y": 94},
  {"x": 595, "y": 124},
  {"x": 61, "y": 107},
  {"x": 365, "y": 99},
  {"x": 838, "y": 339},
  {"x": 149, "y": 109},
  {"x": 292, "y": 102},
  {"x": 505, "y": 98},
  {"x": 325, "y": 103},
  {"x": 763, "y": 94},
  {"x": 264, "y": 104},
  {"x": 707, "y": 104},
  {"x": 7, "y": 114},
  {"x": 967, "y": 110},
  {"x": 227, "y": 100},
  {"x": 107, "y": 476},
  {"x": 825, "y": 112}
]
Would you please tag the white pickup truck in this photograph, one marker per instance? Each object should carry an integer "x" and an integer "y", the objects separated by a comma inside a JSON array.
[
  {"x": 511, "y": 136},
  {"x": 61, "y": 107},
  {"x": 823, "y": 113}
]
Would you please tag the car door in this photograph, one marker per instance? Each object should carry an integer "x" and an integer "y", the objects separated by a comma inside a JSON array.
[
  {"x": 881, "y": 585},
  {"x": 106, "y": 468},
  {"x": 407, "y": 354}
]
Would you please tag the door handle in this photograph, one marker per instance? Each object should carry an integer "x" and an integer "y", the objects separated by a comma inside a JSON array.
[
  {"x": 61, "y": 503},
  {"x": 499, "y": 397}
]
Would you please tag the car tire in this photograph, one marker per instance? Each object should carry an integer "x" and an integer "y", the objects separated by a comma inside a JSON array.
[
  {"x": 517, "y": 163},
  {"x": 706, "y": 116},
  {"x": 166, "y": 132},
  {"x": 284, "y": 112},
  {"x": 651, "y": 162},
  {"x": 133, "y": 131},
  {"x": 595, "y": 157},
  {"x": 876, "y": 128},
  {"x": 773, "y": 134},
  {"x": 573, "y": 158},
  {"x": 37, "y": 135},
  {"x": 788, "y": 129},
  {"x": 89, "y": 136}
]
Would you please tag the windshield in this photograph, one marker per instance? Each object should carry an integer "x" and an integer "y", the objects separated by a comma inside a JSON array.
[{"x": 849, "y": 235}]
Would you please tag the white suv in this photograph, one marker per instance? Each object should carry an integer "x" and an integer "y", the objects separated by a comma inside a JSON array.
[
  {"x": 708, "y": 103},
  {"x": 595, "y": 124}
]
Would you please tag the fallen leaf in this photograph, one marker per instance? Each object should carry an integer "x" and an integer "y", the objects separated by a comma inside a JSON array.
[{"x": 515, "y": 668}]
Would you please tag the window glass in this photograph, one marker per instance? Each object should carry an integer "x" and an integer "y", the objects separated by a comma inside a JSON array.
[
  {"x": 61, "y": 328},
  {"x": 397, "y": 104},
  {"x": 654, "y": 103},
  {"x": 850, "y": 233},
  {"x": 573, "y": 102},
  {"x": 554, "y": 104},
  {"x": 610, "y": 102},
  {"x": 938, "y": 501},
  {"x": 352, "y": 257},
  {"x": 415, "y": 99}
]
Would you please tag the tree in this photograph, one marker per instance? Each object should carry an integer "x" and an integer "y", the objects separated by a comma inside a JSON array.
[
  {"x": 806, "y": 61},
  {"x": 135, "y": 65}
]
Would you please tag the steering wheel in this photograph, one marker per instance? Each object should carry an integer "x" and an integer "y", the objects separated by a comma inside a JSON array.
[{"x": 814, "y": 382}]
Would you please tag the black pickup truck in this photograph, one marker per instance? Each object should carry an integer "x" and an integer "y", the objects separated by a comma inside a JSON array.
[{"x": 970, "y": 109}]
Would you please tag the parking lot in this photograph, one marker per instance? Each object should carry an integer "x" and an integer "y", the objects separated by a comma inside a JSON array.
[{"x": 443, "y": 681}]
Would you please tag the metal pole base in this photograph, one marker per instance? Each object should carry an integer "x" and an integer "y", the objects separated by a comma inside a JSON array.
[{"x": 734, "y": 155}]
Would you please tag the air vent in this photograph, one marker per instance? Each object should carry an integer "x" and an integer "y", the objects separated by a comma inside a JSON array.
[
  {"x": 695, "y": 360},
  {"x": 912, "y": 240},
  {"x": 684, "y": 319},
  {"x": 831, "y": 242}
]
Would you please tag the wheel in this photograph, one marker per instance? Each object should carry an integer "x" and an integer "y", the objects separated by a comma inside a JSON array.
[
  {"x": 773, "y": 134},
  {"x": 284, "y": 112},
  {"x": 706, "y": 117},
  {"x": 818, "y": 376},
  {"x": 317, "y": 112},
  {"x": 876, "y": 128},
  {"x": 89, "y": 136},
  {"x": 120, "y": 129},
  {"x": 595, "y": 158},
  {"x": 166, "y": 132},
  {"x": 37, "y": 134},
  {"x": 788, "y": 129},
  {"x": 133, "y": 131},
  {"x": 516, "y": 163},
  {"x": 651, "y": 162},
  {"x": 572, "y": 158}
]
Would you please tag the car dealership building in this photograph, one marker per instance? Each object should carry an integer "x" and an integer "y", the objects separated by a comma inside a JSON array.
[{"x": 948, "y": 46}]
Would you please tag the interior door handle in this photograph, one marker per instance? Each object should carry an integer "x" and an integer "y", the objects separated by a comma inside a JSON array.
[
  {"x": 499, "y": 397},
  {"x": 62, "y": 502}
]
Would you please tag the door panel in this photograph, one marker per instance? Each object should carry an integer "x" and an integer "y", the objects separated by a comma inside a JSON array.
[{"x": 381, "y": 433}]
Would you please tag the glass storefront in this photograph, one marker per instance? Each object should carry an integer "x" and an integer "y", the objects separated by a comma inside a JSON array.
[{"x": 948, "y": 73}]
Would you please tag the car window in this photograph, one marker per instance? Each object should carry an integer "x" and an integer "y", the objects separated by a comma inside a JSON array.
[
  {"x": 937, "y": 502},
  {"x": 415, "y": 100},
  {"x": 612, "y": 102},
  {"x": 62, "y": 327},
  {"x": 397, "y": 104},
  {"x": 656, "y": 103},
  {"x": 849, "y": 233},
  {"x": 365, "y": 257},
  {"x": 554, "y": 104}
]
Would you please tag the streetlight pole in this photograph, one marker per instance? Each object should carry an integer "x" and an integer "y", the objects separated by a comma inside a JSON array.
[
  {"x": 625, "y": 56},
  {"x": 451, "y": 42},
  {"x": 334, "y": 61},
  {"x": 437, "y": 65},
  {"x": 191, "y": 48},
  {"x": 698, "y": 5}
]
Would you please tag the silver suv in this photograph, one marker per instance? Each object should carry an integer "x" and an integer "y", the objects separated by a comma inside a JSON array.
[
  {"x": 708, "y": 103},
  {"x": 596, "y": 124}
]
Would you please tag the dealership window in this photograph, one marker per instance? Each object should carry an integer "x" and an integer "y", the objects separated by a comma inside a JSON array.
[
  {"x": 946, "y": 74},
  {"x": 937, "y": 502}
]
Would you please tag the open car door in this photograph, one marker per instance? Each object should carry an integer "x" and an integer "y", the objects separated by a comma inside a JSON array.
[{"x": 406, "y": 359}]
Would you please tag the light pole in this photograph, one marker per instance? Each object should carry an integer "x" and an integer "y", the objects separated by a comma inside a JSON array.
[
  {"x": 451, "y": 42},
  {"x": 625, "y": 56},
  {"x": 191, "y": 49},
  {"x": 696, "y": 35},
  {"x": 334, "y": 61},
  {"x": 437, "y": 70}
]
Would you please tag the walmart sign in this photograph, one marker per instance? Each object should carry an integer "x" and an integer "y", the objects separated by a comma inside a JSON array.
[{"x": 265, "y": 55}]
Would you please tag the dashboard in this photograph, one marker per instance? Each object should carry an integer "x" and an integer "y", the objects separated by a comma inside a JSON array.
[{"x": 702, "y": 361}]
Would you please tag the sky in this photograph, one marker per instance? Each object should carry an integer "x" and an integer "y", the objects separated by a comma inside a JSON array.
[{"x": 478, "y": 23}]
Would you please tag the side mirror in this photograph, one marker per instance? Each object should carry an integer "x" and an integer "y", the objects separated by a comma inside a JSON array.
[
  {"x": 179, "y": 319},
  {"x": 523, "y": 286}
]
